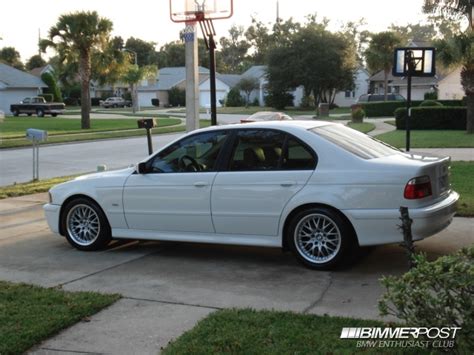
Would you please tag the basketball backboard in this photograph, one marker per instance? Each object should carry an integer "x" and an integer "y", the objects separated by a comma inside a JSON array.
[
  {"x": 422, "y": 60},
  {"x": 199, "y": 10}
]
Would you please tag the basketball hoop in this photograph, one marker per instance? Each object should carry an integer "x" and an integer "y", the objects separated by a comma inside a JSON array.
[
  {"x": 418, "y": 61},
  {"x": 200, "y": 10}
]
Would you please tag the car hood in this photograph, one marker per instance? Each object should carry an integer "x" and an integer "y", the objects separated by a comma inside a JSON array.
[{"x": 112, "y": 174}]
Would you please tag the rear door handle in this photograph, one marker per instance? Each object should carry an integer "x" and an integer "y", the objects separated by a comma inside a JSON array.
[
  {"x": 288, "y": 183},
  {"x": 200, "y": 183}
]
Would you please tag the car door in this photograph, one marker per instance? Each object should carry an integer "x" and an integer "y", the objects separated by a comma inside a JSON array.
[
  {"x": 174, "y": 193},
  {"x": 265, "y": 169}
]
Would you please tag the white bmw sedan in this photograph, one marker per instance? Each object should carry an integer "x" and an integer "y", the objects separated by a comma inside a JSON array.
[{"x": 317, "y": 188}]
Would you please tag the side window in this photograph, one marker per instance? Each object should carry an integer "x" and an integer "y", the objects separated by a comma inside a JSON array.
[
  {"x": 297, "y": 156},
  {"x": 26, "y": 100},
  {"x": 257, "y": 150},
  {"x": 197, "y": 153}
]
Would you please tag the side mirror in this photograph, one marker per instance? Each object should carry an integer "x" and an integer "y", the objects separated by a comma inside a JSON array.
[{"x": 142, "y": 168}]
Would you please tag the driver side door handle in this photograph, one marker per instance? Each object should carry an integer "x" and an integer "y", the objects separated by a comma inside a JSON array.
[{"x": 200, "y": 184}]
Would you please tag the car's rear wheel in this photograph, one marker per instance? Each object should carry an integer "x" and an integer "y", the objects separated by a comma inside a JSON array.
[
  {"x": 85, "y": 225},
  {"x": 54, "y": 114},
  {"x": 40, "y": 112},
  {"x": 321, "y": 239}
]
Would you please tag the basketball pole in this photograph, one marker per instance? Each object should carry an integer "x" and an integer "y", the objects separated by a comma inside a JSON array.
[{"x": 192, "y": 77}]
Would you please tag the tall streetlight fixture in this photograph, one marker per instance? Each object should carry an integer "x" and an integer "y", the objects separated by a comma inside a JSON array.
[{"x": 134, "y": 86}]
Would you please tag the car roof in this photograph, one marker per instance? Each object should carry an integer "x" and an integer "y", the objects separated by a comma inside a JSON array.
[{"x": 285, "y": 125}]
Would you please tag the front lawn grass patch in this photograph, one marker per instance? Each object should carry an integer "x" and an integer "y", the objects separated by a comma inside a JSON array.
[
  {"x": 462, "y": 181},
  {"x": 364, "y": 127},
  {"x": 30, "y": 314},
  {"x": 33, "y": 187},
  {"x": 246, "y": 331},
  {"x": 429, "y": 139}
]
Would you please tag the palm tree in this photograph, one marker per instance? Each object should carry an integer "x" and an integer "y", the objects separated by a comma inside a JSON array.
[
  {"x": 133, "y": 75},
  {"x": 379, "y": 54},
  {"x": 458, "y": 50},
  {"x": 75, "y": 36}
]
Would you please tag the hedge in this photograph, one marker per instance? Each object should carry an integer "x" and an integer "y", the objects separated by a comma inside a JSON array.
[
  {"x": 440, "y": 117},
  {"x": 47, "y": 97},
  {"x": 387, "y": 108}
]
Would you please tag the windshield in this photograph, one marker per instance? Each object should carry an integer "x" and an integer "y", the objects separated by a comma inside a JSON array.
[{"x": 355, "y": 142}]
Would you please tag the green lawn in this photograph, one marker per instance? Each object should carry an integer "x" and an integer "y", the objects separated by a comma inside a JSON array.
[
  {"x": 462, "y": 181},
  {"x": 16, "y": 126},
  {"x": 29, "y": 188},
  {"x": 246, "y": 331},
  {"x": 62, "y": 135},
  {"x": 30, "y": 314},
  {"x": 430, "y": 139},
  {"x": 364, "y": 127}
]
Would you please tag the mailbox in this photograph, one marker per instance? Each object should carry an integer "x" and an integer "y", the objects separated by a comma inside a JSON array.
[
  {"x": 147, "y": 123},
  {"x": 36, "y": 135}
]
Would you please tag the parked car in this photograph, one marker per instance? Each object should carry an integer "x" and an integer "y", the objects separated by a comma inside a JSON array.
[
  {"x": 37, "y": 105},
  {"x": 266, "y": 116},
  {"x": 319, "y": 189},
  {"x": 380, "y": 97},
  {"x": 115, "y": 102}
]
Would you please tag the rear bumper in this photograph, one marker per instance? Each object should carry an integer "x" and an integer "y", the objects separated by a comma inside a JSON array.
[
  {"x": 375, "y": 227},
  {"x": 52, "y": 216}
]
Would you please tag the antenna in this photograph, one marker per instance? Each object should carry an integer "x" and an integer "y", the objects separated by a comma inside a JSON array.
[
  {"x": 39, "y": 41},
  {"x": 278, "y": 12}
]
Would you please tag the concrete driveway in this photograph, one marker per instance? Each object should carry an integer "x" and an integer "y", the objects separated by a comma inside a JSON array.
[{"x": 168, "y": 287}]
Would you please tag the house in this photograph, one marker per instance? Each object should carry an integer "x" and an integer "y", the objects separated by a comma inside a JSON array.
[
  {"x": 15, "y": 85},
  {"x": 361, "y": 86},
  {"x": 168, "y": 78},
  {"x": 398, "y": 85},
  {"x": 449, "y": 87},
  {"x": 41, "y": 70}
]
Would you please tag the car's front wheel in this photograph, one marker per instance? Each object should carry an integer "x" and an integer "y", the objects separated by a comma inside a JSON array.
[
  {"x": 85, "y": 225},
  {"x": 321, "y": 239}
]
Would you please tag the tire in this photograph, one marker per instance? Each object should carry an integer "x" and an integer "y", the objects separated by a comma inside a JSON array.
[
  {"x": 29, "y": 114},
  {"x": 321, "y": 239},
  {"x": 54, "y": 114},
  {"x": 15, "y": 112},
  {"x": 85, "y": 225},
  {"x": 40, "y": 112}
]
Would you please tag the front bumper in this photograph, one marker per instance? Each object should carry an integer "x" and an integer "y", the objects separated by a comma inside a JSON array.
[
  {"x": 375, "y": 227},
  {"x": 52, "y": 216}
]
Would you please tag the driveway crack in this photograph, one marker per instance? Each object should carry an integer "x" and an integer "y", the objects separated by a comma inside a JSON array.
[{"x": 320, "y": 298}]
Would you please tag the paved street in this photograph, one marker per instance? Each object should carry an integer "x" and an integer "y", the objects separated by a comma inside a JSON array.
[
  {"x": 76, "y": 158},
  {"x": 168, "y": 287}
]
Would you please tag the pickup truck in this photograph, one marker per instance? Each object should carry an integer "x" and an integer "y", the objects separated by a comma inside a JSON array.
[
  {"x": 115, "y": 102},
  {"x": 37, "y": 105}
]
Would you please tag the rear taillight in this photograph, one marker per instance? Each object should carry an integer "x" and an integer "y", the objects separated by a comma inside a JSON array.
[{"x": 418, "y": 187}]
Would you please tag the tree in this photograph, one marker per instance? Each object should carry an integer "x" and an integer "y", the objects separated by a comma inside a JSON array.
[
  {"x": 75, "y": 36},
  {"x": 248, "y": 85},
  {"x": 53, "y": 87},
  {"x": 133, "y": 75},
  {"x": 35, "y": 62},
  {"x": 458, "y": 50},
  {"x": 171, "y": 54},
  {"x": 146, "y": 54},
  {"x": 415, "y": 32},
  {"x": 10, "y": 56},
  {"x": 233, "y": 50},
  {"x": 110, "y": 64},
  {"x": 379, "y": 55}
]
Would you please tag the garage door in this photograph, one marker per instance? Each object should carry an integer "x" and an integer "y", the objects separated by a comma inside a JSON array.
[
  {"x": 205, "y": 98},
  {"x": 144, "y": 98}
]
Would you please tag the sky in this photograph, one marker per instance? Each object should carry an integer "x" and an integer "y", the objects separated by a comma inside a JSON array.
[{"x": 23, "y": 20}]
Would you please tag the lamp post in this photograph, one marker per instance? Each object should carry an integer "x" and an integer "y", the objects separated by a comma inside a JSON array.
[{"x": 134, "y": 86}]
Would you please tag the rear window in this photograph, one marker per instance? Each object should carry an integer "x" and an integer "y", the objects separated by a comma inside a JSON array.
[{"x": 355, "y": 142}]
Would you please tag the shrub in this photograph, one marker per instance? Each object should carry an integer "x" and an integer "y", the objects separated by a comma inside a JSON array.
[
  {"x": 255, "y": 102},
  {"x": 72, "y": 101},
  {"x": 279, "y": 99},
  {"x": 155, "y": 102},
  {"x": 432, "y": 95},
  {"x": 433, "y": 118},
  {"x": 435, "y": 294},
  {"x": 382, "y": 108},
  {"x": 234, "y": 99},
  {"x": 95, "y": 101},
  {"x": 53, "y": 87},
  {"x": 430, "y": 103},
  {"x": 47, "y": 97},
  {"x": 358, "y": 115},
  {"x": 177, "y": 96}
]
